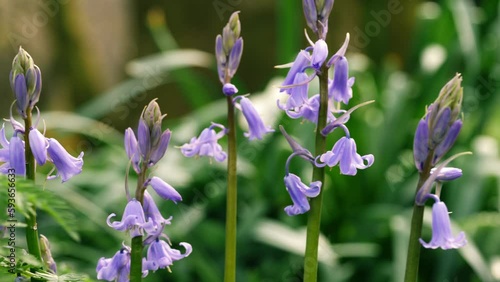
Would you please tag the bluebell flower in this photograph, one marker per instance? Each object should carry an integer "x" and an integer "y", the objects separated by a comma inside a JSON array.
[
  {"x": 132, "y": 149},
  {"x": 344, "y": 153},
  {"x": 319, "y": 54},
  {"x": 159, "y": 150},
  {"x": 4, "y": 152},
  {"x": 229, "y": 89},
  {"x": 299, "y": 192},
  {"x": 302, "y": 61},
  {"x": 38, "y": 145},
  {"x": 152, "y": 213},
  {"x": 256, "y": 127},
  {"x": 235, "y": 57},
  {"x": 441, "y": 230},
  {"x": 340, "y": 88},
  {"x": 206, "y": 144},
  {"x": 449, "y": 139},
  {"x": 161, "y": 255},
  {"x": 26, "y": 82},
  {"x": 67, "y": 165},
  {"x": 133, "y": 220},
  {"x": 421, "y": 144},
  {"x": 116, "y": 268},
  {"x": 298, "y": 95},
  {"x": 17, "y": 159},
  {"x": 447, "y": 174},
  {"x": 164, "y": 190}
]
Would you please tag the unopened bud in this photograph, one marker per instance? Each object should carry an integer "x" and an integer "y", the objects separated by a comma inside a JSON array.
[{"x": 46, "y": 254}]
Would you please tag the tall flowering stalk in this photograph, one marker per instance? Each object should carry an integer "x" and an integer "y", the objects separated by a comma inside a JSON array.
[
  {"x": 141, "y": 215},
  {"x": 228, "y": 52},
  {"x": 28, "y": 147},
  {"x": 435, "y": 135},
  {"x": 323, "y": 109}
]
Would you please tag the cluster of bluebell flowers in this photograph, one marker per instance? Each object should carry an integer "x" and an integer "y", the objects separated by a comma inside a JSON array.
[
  {"x": 435, "y": 135},
  {"x": 228, "y": 52},
  {"x": 141, "y": 215},
  {"x": 26, "y": 83},
  {"x": 299, "y": 105}
]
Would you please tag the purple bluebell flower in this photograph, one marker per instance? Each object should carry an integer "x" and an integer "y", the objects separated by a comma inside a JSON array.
[
  {"x": 152, "y": 213},
  {"x": 299, "y": 94},
  {"x": 235, "y": 57},
  {"x": 256, "y": 127},
  {"x": 164, "y": 190},
  {"x": 206, "y": 144},
  {"x": 132, "y": 149},
  {"x": 229, "y": 89},
  {"x": 311, "y": 14},
  {"x": 116, "y": 268},
  {"x": 160, "y": 149},
  {"x": 133, "y": 220},
  {"x": 447, "y": 174},
  {"x": 299, "y": 192},
  {"x": 340, "y": 87},
  {"x": 448, "y": 141},
  {"x": 4, "y": 152},
  {"x": 308, "y": 110},
  {"x": 441, "y": 230},
  {"x": 421, "y": 144},
  {"x": 67, "y": 165},
  {"x": 319, "y": 54},
  {"x": 144, "y": 138},
  {"x": 344, "y": 153},
  {"x": 161, "y": 255},
  {"x": 38, "y": 145},
  {"x": 302, "y": 61},
  {"x": 17, "y": 159}
]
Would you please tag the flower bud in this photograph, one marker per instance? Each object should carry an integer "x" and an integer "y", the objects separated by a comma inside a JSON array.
[
  {"x": 25, "y": 81},
  {"x": 46, "y": 254}
]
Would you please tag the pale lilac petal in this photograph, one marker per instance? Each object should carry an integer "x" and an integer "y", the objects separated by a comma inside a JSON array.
[
  {"x": 165, "y": 190},
  {"x": 17, "y": 157},
  {"x": 256, "y": 127},
  {"x": 67, "y": 165},
  {"x": 38, "y": 144},
  {"x": 300, "y": 193}
]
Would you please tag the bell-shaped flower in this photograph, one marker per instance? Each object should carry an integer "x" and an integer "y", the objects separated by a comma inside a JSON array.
[
  {"x": 117, "y": 268},
  {"x": 298, "y": 95},
  {"x": 344, "y": 152},
  {"x": 133, "y": 219},
  {"x": 319, "y": 54},
  {"x": 67, "y": 165},
  {"x": 164, "y": 190},
  {"x": 299, "y": 192},
  {"x": 256, "y": 127},
  {"x": 152, "y": 213},
  {"x": 308, "y": 110},
  {"x": 161, "y": 255},
  {"x": 132, "y": 149},
  {"x": 302, "y": 61},
  {"x": 447, "y": 174},
  {"x": 38, "y": 145},
  {"x": 206, "y": 144},
  {"x": 441, "y": 230},
  {"x": 17, "y": 158},
  {"x": 340, "y": 87}
]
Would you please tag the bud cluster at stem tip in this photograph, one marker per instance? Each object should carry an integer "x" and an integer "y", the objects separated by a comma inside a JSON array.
[
  {"x": 316, "y": 13},
  {"x": 25, "y": 81},
  {"x": 439, "y": 128},
  {"x": 228, "y": 49}
]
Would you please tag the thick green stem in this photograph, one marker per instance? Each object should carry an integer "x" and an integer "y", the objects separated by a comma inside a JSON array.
[
  {"x": 231, "y": 204},
  {"x": 314, "y": 214},
  {"x": 32, "y": 238},
  {"x": 137, "y": 245},
  {"x": 413, "y": 255}
]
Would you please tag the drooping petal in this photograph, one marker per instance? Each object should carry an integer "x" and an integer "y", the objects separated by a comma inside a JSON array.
[
  {"x": 164, "y": 190},
  {"x": 302, "y": 61},
  {"x": 256, "y": 127},
  {"x": 152, "y": 213},
  {"x": 300, "y": 193},
  {"x": 115, "y": 268},
  {"x": 67, "y": 165},
  {"x": 38, "y": 144},
  {"x": 441, "y": 230}
]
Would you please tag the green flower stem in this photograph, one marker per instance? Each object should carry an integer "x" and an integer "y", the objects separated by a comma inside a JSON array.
[
  {"x": 231, "y": 204},
  {"x": 314, "y": 214},
  {"x": 32, "y": 237},
  {"x": 137, "y": 244},
  {"x": 413, "y": 255}
]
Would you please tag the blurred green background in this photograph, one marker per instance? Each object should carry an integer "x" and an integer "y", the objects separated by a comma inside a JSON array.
[{"x": 103, "y": 61}]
